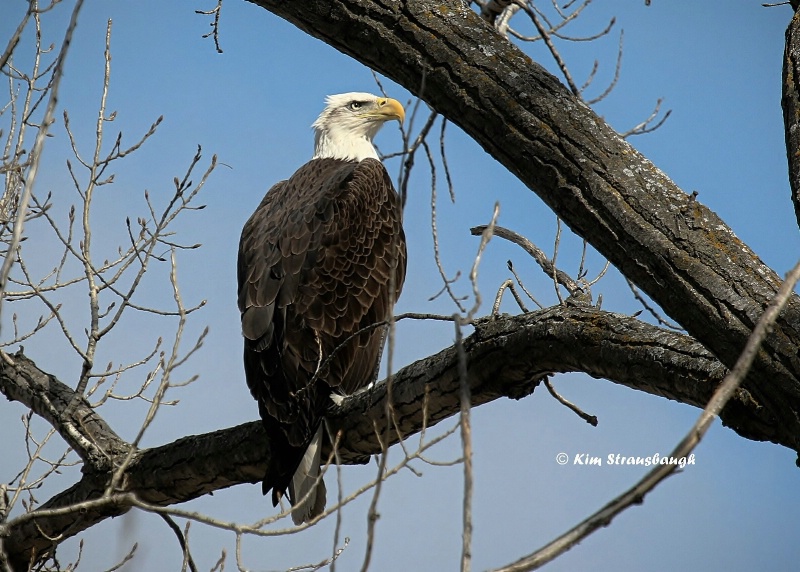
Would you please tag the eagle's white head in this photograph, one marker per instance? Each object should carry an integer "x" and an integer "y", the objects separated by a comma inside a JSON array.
[{"x": 345, "y": 128}]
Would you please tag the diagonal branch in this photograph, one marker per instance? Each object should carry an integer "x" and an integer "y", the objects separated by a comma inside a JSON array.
[
  {"x": 790, "y": 101},
  {"x": 673, "y": 247},
  {"x": 82, "y": 428},
  {"x": 636, "y": 494},
  {"x": 538, "y": 255},
  {"x": 506, "y": 357}
]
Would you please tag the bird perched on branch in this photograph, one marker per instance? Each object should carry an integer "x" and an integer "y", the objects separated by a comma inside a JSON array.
[{"x": 321, "y": 263}]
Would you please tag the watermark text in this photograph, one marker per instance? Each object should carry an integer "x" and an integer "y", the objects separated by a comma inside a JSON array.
[{"x": 612, "y": 459}]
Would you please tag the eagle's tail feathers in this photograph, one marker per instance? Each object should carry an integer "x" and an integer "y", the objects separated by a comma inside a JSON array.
[{"x": 307, "y": 489}]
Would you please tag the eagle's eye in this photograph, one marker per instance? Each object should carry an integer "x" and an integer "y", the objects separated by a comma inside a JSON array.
[{"x": 355, "y": 105}]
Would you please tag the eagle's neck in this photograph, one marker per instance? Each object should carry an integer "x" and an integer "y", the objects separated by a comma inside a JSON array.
[{"x": 345, "y": 145}]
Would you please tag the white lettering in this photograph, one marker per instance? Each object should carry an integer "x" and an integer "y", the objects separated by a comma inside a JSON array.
[{"x": 620, "y": 459}]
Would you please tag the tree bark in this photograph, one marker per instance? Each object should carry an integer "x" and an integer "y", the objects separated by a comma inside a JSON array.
[
  {"x": 78, "y": 424},
  {"x": 506, "y": 356},
  {"x": 672, "y": 246},
  {"x": 790, "y": 102}
]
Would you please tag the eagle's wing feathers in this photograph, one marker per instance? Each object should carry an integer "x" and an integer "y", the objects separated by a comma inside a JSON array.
[{"x": 321, "y": 258}]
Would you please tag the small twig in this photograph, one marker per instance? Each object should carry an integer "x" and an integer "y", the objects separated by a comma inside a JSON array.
[
  {"x": 220, "y": 564},
  {"x": 615, "y": 79},
  {"x": 486, "y": 235},
  {"x": 556, "y": 247},
  {"x": 644, "y": 126},
  {"x": 553, "y": 51},
  {"x": 86, "y": 244},
  {"x": 663, "y": 321},
  {"x": 596, "y": 36},
  {"x": 538, "y": 255},
  {"x": 509, "y": 284},
  {"x": 187, "y": 557},
  {"x": 410, "y": 152},
  {"x": 330, "y": 561},
  {"x": 372, "y": 512},
  {"x": 216, "y": 11},
  {"x": 465, "y": 401},
  {"x": 12, "y": 43},
  {"x": 443, "y": 157},
  {"x": 435, "y": 233},
  {"x": 597, "y": 278},
  {"x": 119, "y": 565},
  {"x": 554, "y": 30},
  {"x": 340, "y": 495},
  {"x": 510, "y": 266},
  {"x": 590, "y": 419}
]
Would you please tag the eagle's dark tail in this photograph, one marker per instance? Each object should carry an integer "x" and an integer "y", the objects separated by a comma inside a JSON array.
[
  {"x": 294, "y": 470},
  {"x": 282, "y": 461}
]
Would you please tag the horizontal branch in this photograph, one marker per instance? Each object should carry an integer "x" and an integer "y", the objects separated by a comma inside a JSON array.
[{"x": 507, "y": 357}]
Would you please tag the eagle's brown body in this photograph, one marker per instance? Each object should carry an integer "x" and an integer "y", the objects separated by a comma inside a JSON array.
[{"x": 321, "y": 260}]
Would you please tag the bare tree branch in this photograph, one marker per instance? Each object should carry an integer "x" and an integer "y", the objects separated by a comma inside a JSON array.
[
  {"x": 674, "y": 248},
  {"x": 506, "y": 357},
  {"x": 30, "y": 176},
  {"x": 635, "y": 495},
  {"x": 538, "y": 255},
  {"x": 790, "y": 101},
  {"x": 84, "y": 430}
]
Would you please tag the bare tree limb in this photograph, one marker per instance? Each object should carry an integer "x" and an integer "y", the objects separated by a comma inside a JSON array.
[
  {"x": 790, "y": 101},
  {"x": 506, "y": 357},
  {"x": 538, "y": 255},
  {"x": 84, "y": 430},
  {"x": 673, "y": 247},
  {"x": 30, "y": 176},
  {"x": 635, "y": 495}
]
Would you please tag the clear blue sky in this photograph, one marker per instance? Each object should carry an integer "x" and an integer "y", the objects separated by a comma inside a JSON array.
[{"x": 717, "y": 65}]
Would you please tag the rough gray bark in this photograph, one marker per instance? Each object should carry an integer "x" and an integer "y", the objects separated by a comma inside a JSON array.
[
  {"x": 791, "y": 107},
  {"x": 507, "y": 357},
  {"x": 78, "y": 424},
  {"x": 672, "y": 246}
]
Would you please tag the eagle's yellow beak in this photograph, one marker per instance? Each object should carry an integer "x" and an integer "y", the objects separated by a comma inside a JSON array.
[{"x": 389, "y": 109}]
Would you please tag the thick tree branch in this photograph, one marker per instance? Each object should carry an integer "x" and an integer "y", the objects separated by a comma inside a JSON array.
[
  {"x": 668, "y": 243},
  {"x": 81, "y": 427},
  {"x": 636, "y": 494},
  {"x": 790, "y": 102},
  {"x": 506, "y": 356}
]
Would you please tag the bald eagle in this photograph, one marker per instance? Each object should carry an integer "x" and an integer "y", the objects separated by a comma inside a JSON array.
[{"x": 321, "y": 262}]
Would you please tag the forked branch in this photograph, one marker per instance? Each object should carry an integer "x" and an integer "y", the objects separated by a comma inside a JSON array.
[{"x": 506, "y": 357}]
